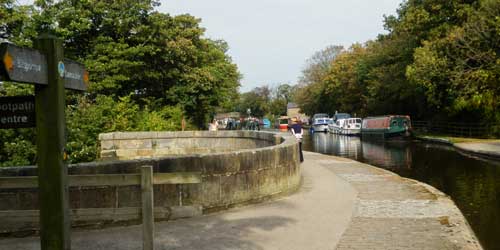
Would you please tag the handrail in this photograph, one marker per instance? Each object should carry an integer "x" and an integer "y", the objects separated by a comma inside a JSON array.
[
  {"x": 146, "y": 179},
  {"x": 105, "y": 180}
]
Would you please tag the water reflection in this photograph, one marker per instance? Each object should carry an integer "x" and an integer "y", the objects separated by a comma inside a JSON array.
[
  {"x": 391, "y": 155},
  {"x": 472, "y": 183},
  {"x": 326, "y": 143}
]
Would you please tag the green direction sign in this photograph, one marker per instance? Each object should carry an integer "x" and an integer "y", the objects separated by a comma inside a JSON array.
[
  {"x": 30, "y": 66},
  {"x": 17, "y": 112}
]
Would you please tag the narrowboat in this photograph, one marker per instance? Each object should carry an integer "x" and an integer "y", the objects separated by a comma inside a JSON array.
[
  {"x": 283, "y": 123},
  {"x": 386, "y": 126},
  {"x": 320, "y": 123}
]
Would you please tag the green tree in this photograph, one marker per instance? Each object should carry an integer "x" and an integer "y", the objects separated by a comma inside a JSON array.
[
  {"x": 310, "y": 92},
  {"x": 423, "y": 67},
  {"x": 147, "y": 69},
  {"x": 130, "y": 48},
  {"x": 257, "y": 101},
  {"x": 15, "y": 22},
  {"x": 344, "y": 84},
  {"x": 460, "y": 71}
]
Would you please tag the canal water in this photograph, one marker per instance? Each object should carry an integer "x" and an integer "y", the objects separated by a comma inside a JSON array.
[{"x": 473, "y": 183}]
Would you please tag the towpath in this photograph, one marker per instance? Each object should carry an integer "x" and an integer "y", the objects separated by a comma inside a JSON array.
[
  {"x": 343, "y": 204},
  {"x": 489, "y": 148}
]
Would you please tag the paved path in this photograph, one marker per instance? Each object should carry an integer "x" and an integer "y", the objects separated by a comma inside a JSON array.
[{"x": 342, "y": 204}]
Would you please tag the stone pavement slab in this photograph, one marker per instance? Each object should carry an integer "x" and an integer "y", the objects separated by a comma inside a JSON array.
[{"x": 397, "y": 213}]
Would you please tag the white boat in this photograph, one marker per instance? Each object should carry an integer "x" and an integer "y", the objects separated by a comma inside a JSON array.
[
  {"x": 349, "y": 126},
  {"x": 334, "y": 126},
  {"x": 320, "y": 123}
]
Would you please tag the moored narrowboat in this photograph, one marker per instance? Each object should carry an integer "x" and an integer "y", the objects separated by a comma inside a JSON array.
[
  {"x": 386, "y": 126},
  {"x": 283, "y": 123}
]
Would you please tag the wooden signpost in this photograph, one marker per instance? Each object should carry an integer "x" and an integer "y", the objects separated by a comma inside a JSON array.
[{"x": 45, "y": 67}]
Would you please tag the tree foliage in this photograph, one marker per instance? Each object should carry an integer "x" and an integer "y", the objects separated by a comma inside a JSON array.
[
  {"x": 266, "y": 101},
  {"x": 147, "y": 69},
  {"x": 439, "y": 60}
]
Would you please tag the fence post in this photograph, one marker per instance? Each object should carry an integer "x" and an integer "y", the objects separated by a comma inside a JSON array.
[{"x": 147, "y": 208}]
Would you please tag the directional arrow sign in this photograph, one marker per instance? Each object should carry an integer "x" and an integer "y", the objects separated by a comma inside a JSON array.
[
  {"x": 30, "y": 66},
  {"x": 75, "y": 75},
  {"x": 24, "y": 64}
]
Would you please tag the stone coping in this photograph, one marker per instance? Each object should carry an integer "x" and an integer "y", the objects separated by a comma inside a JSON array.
[{"x": 134, "y": 145}]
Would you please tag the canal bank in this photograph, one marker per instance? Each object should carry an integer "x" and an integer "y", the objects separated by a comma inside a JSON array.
[
  {"x": 473, "y": 183},
  {"x": 483, "y": 148},
  {"x": 342, "y": 204}
]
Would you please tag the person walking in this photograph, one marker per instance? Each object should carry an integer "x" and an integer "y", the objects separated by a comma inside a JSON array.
[
  {"x": 212, "y": 126},
  {"x": 297, "y": 131}
]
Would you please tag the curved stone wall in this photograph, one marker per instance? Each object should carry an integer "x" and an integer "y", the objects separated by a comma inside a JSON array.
[
  {"x": 233, "y": 173},
  {"x": 135, "y": 145}
]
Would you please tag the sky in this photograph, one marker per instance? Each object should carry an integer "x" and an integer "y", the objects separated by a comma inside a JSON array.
[{"x": 270, "y": 40}]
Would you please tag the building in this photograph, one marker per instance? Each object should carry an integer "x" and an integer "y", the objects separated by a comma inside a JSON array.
[{"x": 293, "y": 110}]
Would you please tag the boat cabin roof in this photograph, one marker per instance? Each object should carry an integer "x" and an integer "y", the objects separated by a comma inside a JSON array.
[
  {"x": 320, "y": 115},
  {"x": 341, "y": 116}
]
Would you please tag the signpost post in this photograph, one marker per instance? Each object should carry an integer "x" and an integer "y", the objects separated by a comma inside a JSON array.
[
  {"x": 51, "y": 73},
  {"x": 50, "y": 132}
]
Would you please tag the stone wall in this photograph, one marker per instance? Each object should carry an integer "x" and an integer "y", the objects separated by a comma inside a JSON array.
[
  {"x": 135, "y": 145},
  {"x": 233, "y": 174}
]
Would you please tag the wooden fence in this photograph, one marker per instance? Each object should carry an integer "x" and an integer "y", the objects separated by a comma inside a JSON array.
[
  {"x": 146, "y": 179},
  {"x": 458, "y": 129}
]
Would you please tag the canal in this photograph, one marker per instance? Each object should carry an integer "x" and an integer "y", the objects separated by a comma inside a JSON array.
[{"x": 474, "y": 184}]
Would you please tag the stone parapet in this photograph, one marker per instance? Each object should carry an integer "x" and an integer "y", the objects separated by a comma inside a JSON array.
[{"x": 240, "y": 167}]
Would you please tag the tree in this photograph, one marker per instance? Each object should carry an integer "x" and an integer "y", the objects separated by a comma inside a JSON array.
[
  {"x": 344, "y": 85},
  {"x": 310, "y": 91},
  {"x": 318, "y": 64},
  {"x": 257, "y": 100},
  {"x": 460, "y": 71},
  {"x": 15, "y": 23},
  {"x": 147, "y": 69},
  {"x": 414, "y": 69},
  {"x": 129, "y": 48}
]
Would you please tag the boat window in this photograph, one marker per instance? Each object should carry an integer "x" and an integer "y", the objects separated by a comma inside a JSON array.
[
  {"x": 394, "y": 123},
  {"x": 358, "y": 120}
]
